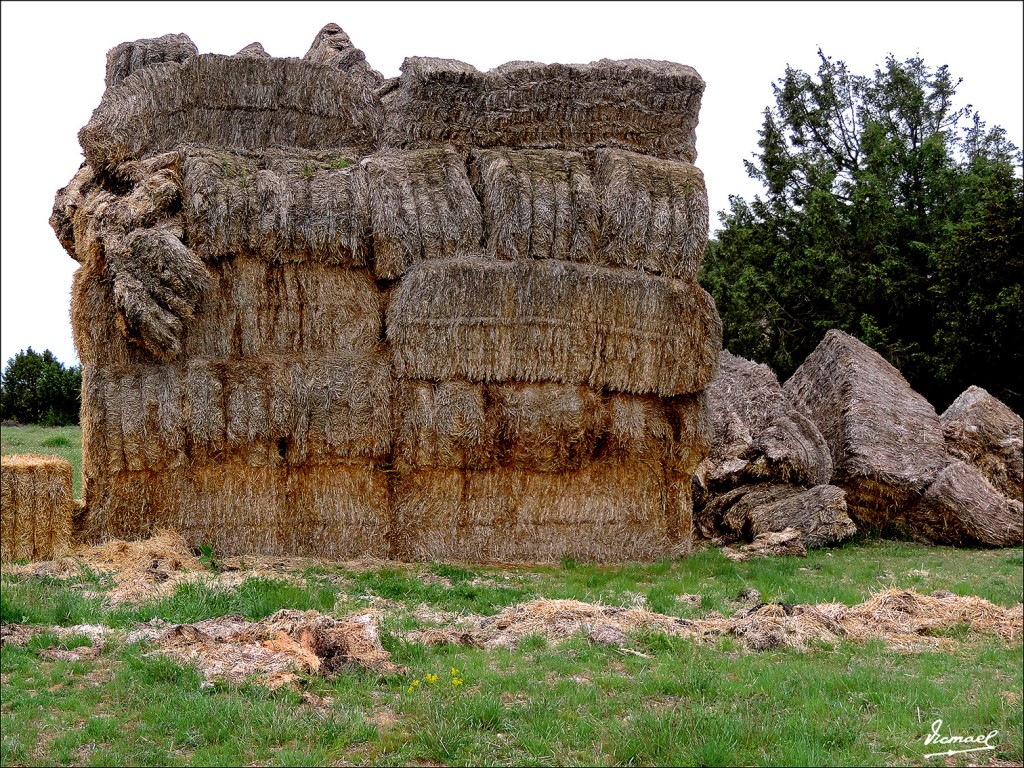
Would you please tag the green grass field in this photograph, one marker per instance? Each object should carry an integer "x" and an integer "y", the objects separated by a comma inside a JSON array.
[
  {"x": 574, "y": 703},
  {"x": 62, "y": 441}
]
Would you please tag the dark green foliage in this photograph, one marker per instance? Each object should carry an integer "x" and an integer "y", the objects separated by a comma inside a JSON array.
[
  {"x": 888, "y": 214},
  {"x": 37, "y": 389}
]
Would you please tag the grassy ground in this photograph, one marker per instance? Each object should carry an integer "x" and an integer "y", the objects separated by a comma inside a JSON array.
[
  {"x": 573, "y": 703},
  {"x": 65, "y": 442}
]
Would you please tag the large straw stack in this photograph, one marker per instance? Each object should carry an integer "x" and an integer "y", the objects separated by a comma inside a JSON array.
[
  {"x": 35, "y": 507},
  {"x": 452, "y": 315}
]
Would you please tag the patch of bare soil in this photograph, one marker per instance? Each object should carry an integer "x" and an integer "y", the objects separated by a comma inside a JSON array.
[{"x": 904, "y": 620}]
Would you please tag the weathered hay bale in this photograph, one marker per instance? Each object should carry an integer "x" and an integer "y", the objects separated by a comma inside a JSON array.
[
  {"x": 645, "y": 106},
  {"x": 818, "y": 513},
  {"x": 654, "y": 213},
  {"x": 982, "y": 431},
  {"x": 252, "y": 307},
  {"x": 231, "y": 102},
  {"x": 274, "y": 410},
  {"x": 421, "y": 207},
  {"x": 334, "y": 511},
  {"x": 543, "y": 427},
  {"x": 35, "y": 507},
  {"x": 254, "y": 49},
  {"x": 66, "y": 204},
  {"x": 885, "y": 439},
  {"x": 601, "y": 513},
  {"x": 333, "y": 48},
  {"x": 757, "y": 434},
  {"x": 282, "y": 205},
  {"x": 787, "y": 543},
  {"x": 537, "y": 204},
  {"x": 126, "y": 58},
  {"x": 961, "y": 507},
  {"x": 557, "y": 321}
]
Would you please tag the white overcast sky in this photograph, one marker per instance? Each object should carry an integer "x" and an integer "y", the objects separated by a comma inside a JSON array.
[{"x": 54, "y": 55}]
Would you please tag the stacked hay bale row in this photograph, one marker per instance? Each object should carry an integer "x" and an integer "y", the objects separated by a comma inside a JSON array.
[{"x": 305, "y": 331}]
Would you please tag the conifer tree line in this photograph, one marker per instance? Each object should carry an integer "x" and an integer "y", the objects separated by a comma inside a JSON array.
[
  {"x": 38, "y": 389},
  {"x": 888, "y": 212}
]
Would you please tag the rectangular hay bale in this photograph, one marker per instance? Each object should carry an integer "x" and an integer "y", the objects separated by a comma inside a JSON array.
[{"x": 36, "y": 507}]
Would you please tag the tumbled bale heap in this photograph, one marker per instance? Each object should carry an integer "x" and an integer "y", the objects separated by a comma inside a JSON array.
[
  {"x": 982, "y": 431},
  {"x": 885, "y": 439},
  {"x": 316, "y": 319},
  {"x": 35, "y": 507}
]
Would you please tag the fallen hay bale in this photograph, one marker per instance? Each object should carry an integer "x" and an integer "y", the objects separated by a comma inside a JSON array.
[
  {"x": 904, "y": 620},
  {"x": 35, "y": 507},
  {"x": 542, "y": 427},
  {"x": 126, "y": 58},
  {"x": 785, "y": 543},
  {"x": 421, "y": 207},
  {"x": 599, "y": 514},
  {"x": 818, "y": 514},
  {"x": 557, "y": 321},
  {"x": 644, "y": 106},
  {"x": 961, "y": 507},
  {"x": 758, "y": 435},
  {"x": 654, "y": 213},
  {"x": 982, "y": 431},
  {"x": 537, "y": 204},
  {"x": 885, "y": 439}
]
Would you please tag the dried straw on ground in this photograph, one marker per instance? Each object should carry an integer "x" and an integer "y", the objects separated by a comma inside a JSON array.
[
  {"x": 885, "y": 439},
  {"x": 35, "y": 507},
  {"x": 982, "y": 431},
  {"x": 535, "y": 321},
  {"x": 905, "y": 621},
  {"x": 234, "y": 102},
  {"x": 644, "y": 106},
  {"x": 421, "y": 207},
  {"x": 537, "y": 204},
  {"x": 125, "y": 58},
  {"x": 282, "y": 205},
  {"x": 543, "y": 427},
  {"x": 818, "y": 514},
  {"x": 654, "y": 213},
  {"x": 758, "y": 434},
  {"x": 788, "y": 542},
  {"x": 961, "y": 507},
  {"x": 601, "y": 513}
]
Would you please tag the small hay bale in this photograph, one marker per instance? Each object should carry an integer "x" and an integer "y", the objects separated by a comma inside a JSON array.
[
  {"x": 654, "y": 213},
  {"x": 421, "y": 207},
  {"x": 546, "y": 320},
  {"x": 332, "y": 47},
  {"x": 758, "y": 435},
  {"x": 282, "y": 205},
  {"x": 962, "y": 508},
  {"x": 36, "y": 507},
  {"x": 254, "y": 49},
  {"x": 232, "y": 102},
  {"x": 982, "y": 431},
  {"x": 601, "y": 513},
  {"x": 126, "y": 58},
  {"x": 818, "y": 514},
  {"x": 885, "y": 439},
  {"x": 644, "y": 106},
  {"x": 787, "y": 543},
  {"x": 537, "y": 204}
]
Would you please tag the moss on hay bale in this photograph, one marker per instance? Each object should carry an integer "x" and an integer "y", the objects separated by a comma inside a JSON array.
[{"x": 35, "y": 507}]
